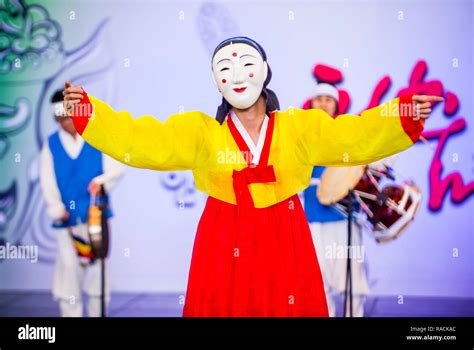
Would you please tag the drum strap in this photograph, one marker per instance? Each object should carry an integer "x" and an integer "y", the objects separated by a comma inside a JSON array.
[{"x": 82, "y": 247}]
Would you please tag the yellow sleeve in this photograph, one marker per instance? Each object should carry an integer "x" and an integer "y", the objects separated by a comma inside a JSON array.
[
  {"x": 144, "y": 142},
  {"x": 354, "y": 140}
]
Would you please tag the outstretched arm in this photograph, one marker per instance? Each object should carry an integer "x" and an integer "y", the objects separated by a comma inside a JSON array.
[
  {"x": 144, "y": 142},
  {"x": 353, "y": 140}
]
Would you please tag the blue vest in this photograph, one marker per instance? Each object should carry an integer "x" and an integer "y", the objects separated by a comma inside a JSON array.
[
  {"x": 73, "y": 177},
  {"x": 315, "y": 211}
]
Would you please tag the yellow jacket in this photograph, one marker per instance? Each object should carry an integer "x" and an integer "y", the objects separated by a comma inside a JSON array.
[{"x": 301, "y": 140}]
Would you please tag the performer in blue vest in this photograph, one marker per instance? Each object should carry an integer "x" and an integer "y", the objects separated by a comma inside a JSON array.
[
  {"x": 71, "y": 172},
  {"x": 329, "y": 228}
]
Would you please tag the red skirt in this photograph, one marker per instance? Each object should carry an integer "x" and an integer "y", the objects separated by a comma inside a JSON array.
[{"x": 267, "y": 269}]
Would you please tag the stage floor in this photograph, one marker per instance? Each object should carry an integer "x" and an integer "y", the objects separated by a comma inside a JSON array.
[{"x": 41, "y": 304}]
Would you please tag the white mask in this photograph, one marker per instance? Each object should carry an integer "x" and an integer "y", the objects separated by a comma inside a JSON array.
[{"x": 239, "y": 73}]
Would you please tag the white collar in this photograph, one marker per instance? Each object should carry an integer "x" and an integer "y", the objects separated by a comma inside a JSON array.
[
  {"x": 71, "y": 145},
  {"x": 67, "y": 136},
  {"x": 256, "y": 150}
]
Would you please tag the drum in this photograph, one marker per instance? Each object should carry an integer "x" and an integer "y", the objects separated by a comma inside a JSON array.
[
  {"x": 97, "y": 224},
  {"x": 396, "y": 210},
  {"x": 388, "y": 210},
  {"x": 337, "y": 182}
]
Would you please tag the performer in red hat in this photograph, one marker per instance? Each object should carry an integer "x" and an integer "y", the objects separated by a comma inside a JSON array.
[{"x": 253, "y": 253}]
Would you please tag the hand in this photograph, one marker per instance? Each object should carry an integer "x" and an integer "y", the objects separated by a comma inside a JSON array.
[
  {"x": 93, "y": 188},
  {"x": 423, "y": 103},
  {"x": 72, "y": 97},
  {"x": 65, "y": 216}
]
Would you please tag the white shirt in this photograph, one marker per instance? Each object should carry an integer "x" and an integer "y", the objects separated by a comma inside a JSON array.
[
  {"x": 255, "y": 149},
  {"x": 113, "y": 170}
]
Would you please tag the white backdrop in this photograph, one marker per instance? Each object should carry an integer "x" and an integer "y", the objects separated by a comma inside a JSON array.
[{"x": 159, "y": 53}]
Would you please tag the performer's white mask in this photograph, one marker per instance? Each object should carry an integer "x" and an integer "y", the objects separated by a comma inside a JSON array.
[{"x": 239, "y": 72}]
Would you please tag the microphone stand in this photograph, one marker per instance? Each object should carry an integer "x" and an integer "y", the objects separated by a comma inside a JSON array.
[
  {"x": 349, "y": 201},
  {"x": 104, "y": 249}
]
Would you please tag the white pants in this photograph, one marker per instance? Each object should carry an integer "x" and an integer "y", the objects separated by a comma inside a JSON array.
[
  {"x": 70, "y": 277},
  {"x": 330, "y": 240}
]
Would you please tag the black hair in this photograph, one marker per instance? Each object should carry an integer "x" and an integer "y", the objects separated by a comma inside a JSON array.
[{"x": 57, "y": 96}]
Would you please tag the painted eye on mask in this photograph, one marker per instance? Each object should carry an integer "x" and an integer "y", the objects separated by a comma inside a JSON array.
[
  {"x": 223, "y": 69},
  {"x": 248, "y": 64}
]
